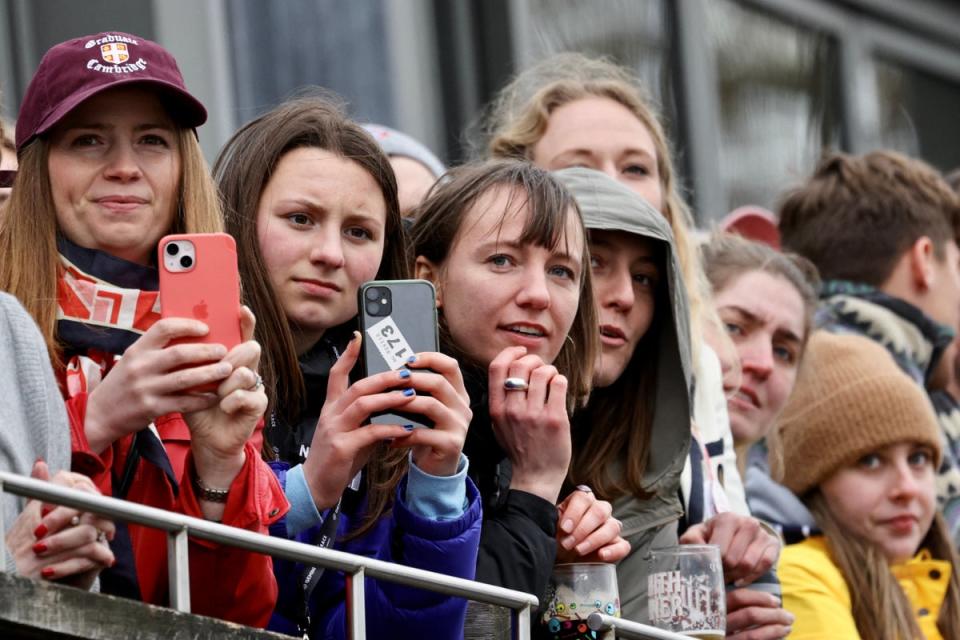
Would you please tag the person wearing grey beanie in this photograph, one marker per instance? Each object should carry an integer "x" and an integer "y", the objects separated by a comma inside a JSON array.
[
  {"x": 416, "y": 167},
  {"x": 632, "y": 453}
]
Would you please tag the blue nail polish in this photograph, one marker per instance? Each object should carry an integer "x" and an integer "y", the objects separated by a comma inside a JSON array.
[
  {"x": 408, "y": 392},
  {"x": 412, "y": 359},
  {"x": 408, "y": 427},
  {"x": 404, "y": 373}
]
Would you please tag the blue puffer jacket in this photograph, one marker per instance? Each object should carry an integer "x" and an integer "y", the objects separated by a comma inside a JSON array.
[{"x": 393, "y": 610}]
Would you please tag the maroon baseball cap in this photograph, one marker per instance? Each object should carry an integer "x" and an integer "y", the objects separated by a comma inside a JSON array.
[{"x": 77, "y": 69}]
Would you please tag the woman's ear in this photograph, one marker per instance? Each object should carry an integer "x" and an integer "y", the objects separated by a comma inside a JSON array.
[{"x": 424, "y": 269}]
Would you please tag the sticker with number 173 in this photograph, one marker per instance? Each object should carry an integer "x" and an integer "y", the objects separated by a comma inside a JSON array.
[{"x": 390, "y": 342}]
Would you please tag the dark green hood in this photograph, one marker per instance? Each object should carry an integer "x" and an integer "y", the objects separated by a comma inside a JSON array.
[
  {"x": 651, "y": 522},
  {"x": 608, "y": 205}
]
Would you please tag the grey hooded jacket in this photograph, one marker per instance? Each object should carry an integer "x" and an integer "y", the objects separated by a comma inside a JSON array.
[{"x": 651, "y": 522}]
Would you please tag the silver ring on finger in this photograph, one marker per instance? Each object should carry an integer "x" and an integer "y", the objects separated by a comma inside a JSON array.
[
  {"x": 584, "y": 488},
  {"x": 101, "y": 536},
  {"x": 74, "y": 521},
  {"x": 515, "y": 384},
  {"x": 256, "y": 385}
]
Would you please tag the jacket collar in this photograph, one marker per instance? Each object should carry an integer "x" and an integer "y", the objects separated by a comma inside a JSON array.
[
  {"x": 924, "y": 581},
  {"x": 915, "y": 340}
]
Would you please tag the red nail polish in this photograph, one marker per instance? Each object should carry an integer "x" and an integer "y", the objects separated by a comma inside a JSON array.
[
  {"x": 40, "y": 531},
  {"x": 47, "y": 572},
  {"x": 39, "y": 547},
  {"x": 45, "y": 511},
  {"x": 113, "y": 563},
  {"x": 40, "y": 459}
]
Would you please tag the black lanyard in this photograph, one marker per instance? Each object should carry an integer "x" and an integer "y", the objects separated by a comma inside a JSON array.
[{"x": 310, "y": 577}]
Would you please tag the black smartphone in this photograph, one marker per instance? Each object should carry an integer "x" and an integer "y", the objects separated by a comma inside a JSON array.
[{"x": 398, "y": 318}]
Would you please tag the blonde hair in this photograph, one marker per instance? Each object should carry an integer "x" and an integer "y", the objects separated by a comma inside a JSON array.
[
  {"x": 28, "y": 228},
  {"x": 518, "y": 118},
  {"x": 880, "y": 608}
]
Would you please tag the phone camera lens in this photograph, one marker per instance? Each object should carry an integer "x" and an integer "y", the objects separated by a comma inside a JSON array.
[
  {"x": 173, "y": 248},
  {"x": 373, "y": 293},
  {"x": 373, "y": 308},
  {"x": 186, "y": 262}
]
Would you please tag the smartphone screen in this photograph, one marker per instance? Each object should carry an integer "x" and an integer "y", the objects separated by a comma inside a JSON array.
[{"x": 398, "y": 318}]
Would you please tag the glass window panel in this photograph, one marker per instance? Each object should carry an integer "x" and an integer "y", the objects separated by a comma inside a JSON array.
[
  {"x": 280, "y": 47},
  {"x": 634, "y": 33},
  {"x": 778, "y": 97},
  {"x": 918, "y": 114}
]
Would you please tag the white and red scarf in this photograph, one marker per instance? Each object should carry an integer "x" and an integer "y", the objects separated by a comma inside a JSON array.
[{"x": 104, "y": 304}]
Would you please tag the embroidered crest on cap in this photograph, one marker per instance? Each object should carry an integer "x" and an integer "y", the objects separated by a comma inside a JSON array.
[{"x": 115, "y": 51}]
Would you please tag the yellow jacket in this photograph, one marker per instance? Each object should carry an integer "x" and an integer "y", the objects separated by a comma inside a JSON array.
[{"x": 815, "y": 592}]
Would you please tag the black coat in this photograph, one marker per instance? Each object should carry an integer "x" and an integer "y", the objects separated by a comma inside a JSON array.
[{"x": 518, "y": 546}]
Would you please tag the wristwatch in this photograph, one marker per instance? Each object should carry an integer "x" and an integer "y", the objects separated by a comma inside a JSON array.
[{"x": 207, "y": 494}]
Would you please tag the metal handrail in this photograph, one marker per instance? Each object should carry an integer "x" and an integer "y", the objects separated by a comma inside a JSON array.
[
  {"x": 179, "y": 526},
  {"x": 628, "y": 629}
]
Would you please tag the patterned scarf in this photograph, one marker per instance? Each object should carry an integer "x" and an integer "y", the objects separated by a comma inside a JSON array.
[{"x": 104, "y": 304}]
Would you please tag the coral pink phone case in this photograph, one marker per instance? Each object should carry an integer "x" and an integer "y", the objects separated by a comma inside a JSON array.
[{"x": 209, "y": 291}]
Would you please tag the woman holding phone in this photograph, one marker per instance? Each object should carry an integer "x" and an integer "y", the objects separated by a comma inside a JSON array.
[
  {"x": 109, "y": 163},
  {"x": 312, "y": 202},
  {"x": 505, "y": 247}
]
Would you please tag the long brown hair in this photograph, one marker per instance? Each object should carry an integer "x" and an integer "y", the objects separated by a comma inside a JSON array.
[
  {"x": 28, "y": 227},
  {"x": 242, "y": 170},
  {"x": 440, "y": 217},
  {"x": 881, "y": 610},
  {"x": 616, "y": 425}
]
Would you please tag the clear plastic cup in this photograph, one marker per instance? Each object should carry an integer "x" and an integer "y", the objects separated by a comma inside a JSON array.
[
  {"x": 576, "y": 590},
  {"x": 685, "y": 591}
]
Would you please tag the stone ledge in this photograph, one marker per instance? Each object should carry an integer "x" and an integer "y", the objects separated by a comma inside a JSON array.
[{"x": 32, "y": 609}]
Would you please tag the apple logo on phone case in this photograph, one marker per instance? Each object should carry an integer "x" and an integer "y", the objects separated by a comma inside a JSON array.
[{"x": 200, "y": 311}]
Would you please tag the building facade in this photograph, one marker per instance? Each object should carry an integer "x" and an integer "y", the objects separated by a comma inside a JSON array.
[{"x": 752, "y": 91}]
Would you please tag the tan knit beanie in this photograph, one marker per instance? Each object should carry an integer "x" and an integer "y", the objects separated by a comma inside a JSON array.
[{"x": 850, "y": 398}]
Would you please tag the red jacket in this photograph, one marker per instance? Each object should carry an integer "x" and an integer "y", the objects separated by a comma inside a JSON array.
[{"x": 225, "y": 582}]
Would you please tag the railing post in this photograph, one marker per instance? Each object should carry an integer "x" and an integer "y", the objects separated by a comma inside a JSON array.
[
  {"x": 356, "y": 605},
  {"x": 521, "y": 623},
  {"x": 3, "y": 528},
  {"x": 178, "y": 567}
]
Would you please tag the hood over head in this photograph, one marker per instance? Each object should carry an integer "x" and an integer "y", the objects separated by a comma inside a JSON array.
[{"x": 610, "y": 206}]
